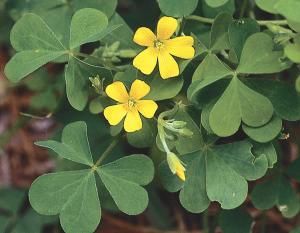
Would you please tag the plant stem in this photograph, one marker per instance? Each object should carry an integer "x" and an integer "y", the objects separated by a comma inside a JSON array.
[
  {"x": 260, "y": 22},
  {"x": 107, "y": 151},
  {"x": 243, "y": 8}
]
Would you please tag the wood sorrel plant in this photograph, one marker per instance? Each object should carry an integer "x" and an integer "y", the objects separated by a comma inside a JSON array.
[{"x": 205, "y": 93}]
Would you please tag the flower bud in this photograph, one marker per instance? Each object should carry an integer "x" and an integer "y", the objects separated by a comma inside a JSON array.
[
  {"x": 127, "y": 53},
  {"x": 176, "y": 165},
  {"x": 186, "y": 132},
  {"x": 178, "y": 124}
]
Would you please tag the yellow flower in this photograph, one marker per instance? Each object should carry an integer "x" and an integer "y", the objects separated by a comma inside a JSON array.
[
  {"x": 129, "y": 105},
  {"x": 176, "y": 165},
  {"x": 161, "y": 47}
]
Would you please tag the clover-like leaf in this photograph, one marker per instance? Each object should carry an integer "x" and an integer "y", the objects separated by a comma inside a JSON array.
[
  {"x": 218, "y": 173},
  {"x": 276, "y": 192},
  {"x": 266, "y": 132},
  {"x": 38, "y": 44},
  {"x": 177, "y": 8},
  {"x": 74, "y": 195},
  {"x": 259, "y": 57},
  {"x": 239, "y": 103}
]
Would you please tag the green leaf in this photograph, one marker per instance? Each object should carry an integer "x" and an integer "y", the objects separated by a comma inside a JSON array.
[
  {"x": 266, "y": 149},
  {"x": 86, "y": 26},
  {"x": 217, "y": 173},
  {"x": 71, "y": 194},
  {"x": 32, "y": 222},
  {"x": 239, "y": 103},
  {"x": 4, "y": 222},
  {"x": 294, "y": 169},
  {"x": 258, "y": 56},
  {"x": 284, "y": 97},
  {"x": 74, "y": 145},
  {"x": 193, "y": 196},
  {"x": 277, "y": 192},
  {"x": 292, "y": 51},
  {"x": 216, "y": 3},
  {"x": 177, "y": 8},
  {"x": 209, "y": 71},
  {"x": 145, "y": 137},
  {"x": 219, "y": 32},
  {"x": 25, "y": 62},
  {"x": 265, "y": 133},
  {"x": 296, "y": 230},
  {"x": 298, "y": 84},
  {"x": 235, "y": 221},
  {"x": 32, "y": 33},
  {"x": 239, "y": 31},
  {"x": 267, "y": 5},
  {"x": 123, "y": 178},
  {"x": 289, "y": 9},
  {"x": 11, "y": 200}
]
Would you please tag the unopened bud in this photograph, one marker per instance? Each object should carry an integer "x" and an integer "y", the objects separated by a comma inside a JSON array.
[
  {"x": 186, "y": 132},
  {"x": 176, "y": 165},
  {"x": 127, "y": 53},
  {"x": 178, "y": 124}
]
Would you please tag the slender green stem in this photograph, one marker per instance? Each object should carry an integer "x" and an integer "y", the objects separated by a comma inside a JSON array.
[
  {"x": 260, "y": 22},
  {"x": 243, "y": 8},
  {"x": 107, "y": 151}
]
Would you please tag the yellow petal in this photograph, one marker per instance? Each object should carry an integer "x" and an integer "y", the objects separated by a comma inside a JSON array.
[
  {"x": 166, "y": 27},
  {"x": 139, "y": 89},
  {"x": 181, "y": 47},
  {"x": 117, "y": 91},
  {"x": 147, "y": 108},
  {"x": 114, "y": 114},
  {"x": 133, "y": 121},
  {"x": 146, "y": 60},
  {"x": 168, "y": 67},
  {"x": 144, "y": 37}
]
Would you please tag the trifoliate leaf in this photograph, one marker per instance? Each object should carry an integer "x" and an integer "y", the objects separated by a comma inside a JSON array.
[
  {"x": 267, "y": 5},
  {"x": 177, "y": 8},
  {"x": 292, "y": 51},
  {"x": 259, "y": 57},
  {"x": 277, "y": 192},
  {"x": 268, "y": 150},
  {"x": 266, "y": 132},
  {"x": 289, "y": 9},
  {"x": 239, "y": 104},
  {"x": 217, "y": 173},
  {"x": 74, "y": 195}
]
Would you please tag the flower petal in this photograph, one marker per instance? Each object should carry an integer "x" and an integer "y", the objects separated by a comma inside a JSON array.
[
  {"x": 147, "y": 108},
  {"x": 114, "y": 114},
  {"x": 144, "y": 37},
  {"x": 146, "y": 60},
  {"x": 181, "y": 47},
  {"x": 133, "y": 121},
  {"x": 166, "y": 27},
  {"x": 168, "y": 67},
  {"x": 117, "y": 91},
  {"x": 139, "y": 89}
]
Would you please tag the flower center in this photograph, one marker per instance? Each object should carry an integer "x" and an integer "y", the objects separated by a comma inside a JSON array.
[
  {"x": 158, "y": 44},
  {"x": 131, "y": 103}
]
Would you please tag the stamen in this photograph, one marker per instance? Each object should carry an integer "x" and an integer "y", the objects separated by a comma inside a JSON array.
[
  {"x": 131, "y": 103},
  {"x": 158, "y": 44}
]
